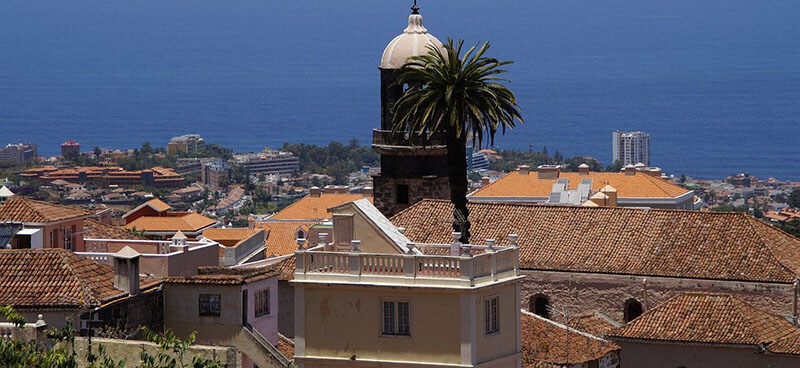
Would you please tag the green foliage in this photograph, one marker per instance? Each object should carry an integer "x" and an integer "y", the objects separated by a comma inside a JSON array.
[
  {"x": 25, "y": 354},
  {"x": 460, "y": 95},
  {"x": 614, "y": 167},
  {"x": 792, "y": 227},
  {"x": 172, "y": 352},
  {"x": 794, "y": 198},
  {"x": 729, "y": 208},
  {"x": 574, "y": 162},
  {"x": 335, "y": 159},
  {"x": 146, "y": 157},
  {"x": 514, "y": 158}
]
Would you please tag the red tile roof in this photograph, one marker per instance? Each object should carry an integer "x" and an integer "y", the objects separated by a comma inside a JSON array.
[
  {"x": 628, "y": 186},
  {"x": 231, "y": 237},
  {"x": 281, "y": 236},
  {"x": 95, "y": 230},
  {"x": 286, "y": 346},
  {"x": 21, "y": 209},
  {"x": 314, "y": 208},
  {"x": 706, "y": 318},
  {"x": 54, "y": 278},
  {"x": 671, "y": 243},
  {"x": 188, "y": 222},
  {"x": 546, "y": 343},
  {"x": 593, "y": 323},
  {"x": 788, "y": 344},
  {"x": 225, "y": 276}
]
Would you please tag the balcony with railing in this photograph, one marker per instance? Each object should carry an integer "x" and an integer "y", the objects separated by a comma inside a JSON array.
[
  {"x": 492, "y": 265},
  {"x": 405, "y": 140}
]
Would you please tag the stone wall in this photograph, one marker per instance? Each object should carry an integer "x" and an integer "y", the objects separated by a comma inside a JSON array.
[
  {"x": 385, "y": 191},
  {"x": 579, "y": 293},
  {"x": 129, "y": 351}
]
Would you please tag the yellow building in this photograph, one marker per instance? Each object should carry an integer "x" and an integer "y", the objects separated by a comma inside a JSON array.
[{"x": 371, "y": 298}]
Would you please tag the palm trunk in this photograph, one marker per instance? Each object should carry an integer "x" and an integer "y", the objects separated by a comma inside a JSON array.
[{"x": 457, "y": 174}]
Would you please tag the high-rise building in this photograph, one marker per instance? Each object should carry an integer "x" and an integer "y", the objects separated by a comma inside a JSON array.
[
  {"x": 413, "y": 166},
  {"x": 187, "y": 143},
  {"x": 631, "y": 148},
  {"x": 70, "y": 149},
  {"x": 18, "y": 153}
]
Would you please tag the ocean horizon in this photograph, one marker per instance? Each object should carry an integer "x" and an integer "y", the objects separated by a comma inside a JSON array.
[{"x": 715, "y": 83}]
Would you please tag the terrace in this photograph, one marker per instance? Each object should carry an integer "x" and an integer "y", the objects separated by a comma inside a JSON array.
[{"x": 432, "y": 265}]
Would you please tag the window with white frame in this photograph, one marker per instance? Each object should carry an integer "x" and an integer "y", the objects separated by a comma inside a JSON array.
[
  {"x": 210, "y": 305},
  {"x": 491, "y": 313},
  {"x": 396, "y": 318},
  {"x": 67, "y": 238},
  {"x": 262, "y": 302}
]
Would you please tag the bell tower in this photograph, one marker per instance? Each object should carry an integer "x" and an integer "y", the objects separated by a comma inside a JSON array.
[{"x": 413, "y": 167}]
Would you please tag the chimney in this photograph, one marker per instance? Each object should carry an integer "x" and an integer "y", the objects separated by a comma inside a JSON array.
[
  {"x": 599, "y": 199},
  {"x": 611, "y": 192},
  {"x": 524, "y": 169},
  {"x": 484, "y": 181},
  {"x": 629, "y": 170},
  {"x": 583, "y": 169},
  {"x": 548, "y": 172},
  {"x": 126, "y": 270},
  {"x": 251, "y": 223},
  {"x": 367, "y": 191},
  {"x": 654, "y": 172},
  {"x": 315, "y": 191}
]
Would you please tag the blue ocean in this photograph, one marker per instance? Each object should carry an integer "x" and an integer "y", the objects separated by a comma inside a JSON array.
[{"x": 715, "y": 82}]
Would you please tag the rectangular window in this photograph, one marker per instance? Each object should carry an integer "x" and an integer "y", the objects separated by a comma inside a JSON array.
[
  {"x": 492, "y": 324},
  {"x": 210, "y": 305},
  {"x": 396, "y": 319},
  {"x": 402, "y": 193},
  {"x": 262, "y": 302},
  {"x": 67, "y": 238}
]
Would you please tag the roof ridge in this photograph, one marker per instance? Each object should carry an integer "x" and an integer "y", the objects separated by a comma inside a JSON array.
[
  {"x": 657, "y": 185},
  {"x": 766, "y": 244},
  {"x": 81, "y": 281}
]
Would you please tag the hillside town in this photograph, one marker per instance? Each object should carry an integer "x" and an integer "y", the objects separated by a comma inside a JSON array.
[{"x": 349, "y": 255}]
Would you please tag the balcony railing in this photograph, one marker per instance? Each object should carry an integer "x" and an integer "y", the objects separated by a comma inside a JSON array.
[
  {"x": 407, "y": 139},
  {"x": 462, "y": 271}
]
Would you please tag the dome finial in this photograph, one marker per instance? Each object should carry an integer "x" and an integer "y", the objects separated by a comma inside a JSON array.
[{"x": 415, "y": 8}]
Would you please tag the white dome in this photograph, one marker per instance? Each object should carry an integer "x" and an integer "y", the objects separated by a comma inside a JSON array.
[{"x": 413, "y": 41}]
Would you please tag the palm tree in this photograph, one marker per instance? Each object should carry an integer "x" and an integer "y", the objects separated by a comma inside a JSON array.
[{"x": 461, "y": 96}]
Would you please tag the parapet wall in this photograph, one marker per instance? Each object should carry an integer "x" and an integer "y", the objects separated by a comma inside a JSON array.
[{"x": 129, "y": 351}]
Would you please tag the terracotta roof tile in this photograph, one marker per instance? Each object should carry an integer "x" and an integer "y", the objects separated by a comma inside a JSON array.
[
  {"x": 53, "y": 278},
  {"x": 281, "y": 236},
  {"x": 315, "y": 208},
  {"x": 225, "y": 276},
  {"x": 593, "y": 323},
  {"x": 96, "y": 230},
  {"x": 628, "y": 186},
  {"x": 672, "y": 243},
  {"x": 286, "y": 346},
  {"x": 230, "y": 237},
  {"x": 188, "y": 222},
  {"x": 21, "y": 209},
  {"x": 706, "y": 318},
  {"x": 546, "y": 343},
  {"x": 158, "y": 205},
  {"x": 788, "y": 344}
]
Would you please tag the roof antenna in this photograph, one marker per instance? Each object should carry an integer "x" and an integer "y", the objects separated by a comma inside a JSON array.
[{"x": 415, "y": 8}]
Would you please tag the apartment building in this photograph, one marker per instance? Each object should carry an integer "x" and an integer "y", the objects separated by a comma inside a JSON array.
[
  {"x": 631, "y": 148},
  {"x": 187, "y": 143},
  {"x": 372, "y": 298},
  {"x": 268, "y": 162},
  {"x": 18, "y": 153}
]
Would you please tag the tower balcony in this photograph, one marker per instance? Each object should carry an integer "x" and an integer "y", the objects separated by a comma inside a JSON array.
[
  {"x": 489, "y": 267},
  {"x": 406, "y": 143}
]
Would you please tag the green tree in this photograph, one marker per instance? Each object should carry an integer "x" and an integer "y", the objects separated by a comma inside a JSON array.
[
  {"x": 615, "y": 167},
  {"x": 461, "y": 95},
  {"x": 792, "y": 227},
  {"x": 794, "y": 198}
]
